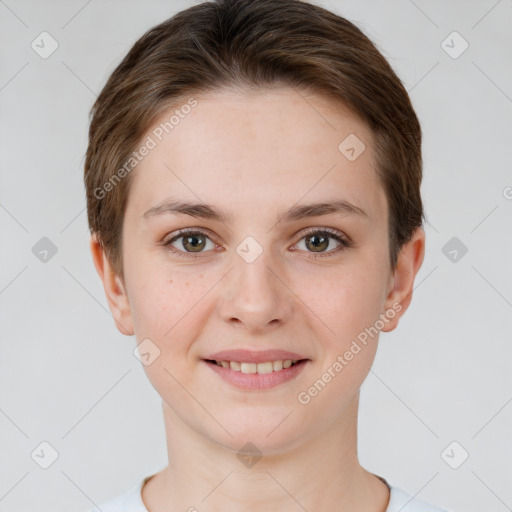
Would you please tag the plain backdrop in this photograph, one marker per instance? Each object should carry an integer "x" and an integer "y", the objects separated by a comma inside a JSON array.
[{"x": 441, "y": 386}]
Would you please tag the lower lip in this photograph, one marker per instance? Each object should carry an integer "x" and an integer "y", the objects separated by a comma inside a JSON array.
[{"x": 256, "y": 381}]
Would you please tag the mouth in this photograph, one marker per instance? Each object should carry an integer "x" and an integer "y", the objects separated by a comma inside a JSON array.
[
  {"x": 256, "y": 370},
  {"x": 259, "y": 368}
]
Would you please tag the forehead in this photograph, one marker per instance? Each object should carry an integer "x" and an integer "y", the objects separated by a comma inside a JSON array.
[{"x": 248, "y": 150}]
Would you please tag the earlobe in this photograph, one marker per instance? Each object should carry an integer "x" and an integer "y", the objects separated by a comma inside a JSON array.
[
  {"x": 114, "y": 288},
  {"x": 409, "y": 262}
]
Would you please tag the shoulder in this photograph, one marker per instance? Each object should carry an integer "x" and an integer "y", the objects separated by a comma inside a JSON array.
[
  {"x": 130, "y": 501},
  {"x": 400, "y": 501}
]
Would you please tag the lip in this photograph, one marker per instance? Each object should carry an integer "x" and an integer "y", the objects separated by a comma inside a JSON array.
[
  {"x": 256, "y": 381},
  {"x": 254, "y": 356}
]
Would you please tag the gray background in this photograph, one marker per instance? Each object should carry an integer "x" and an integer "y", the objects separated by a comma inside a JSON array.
[{"x": 68, "y": 377}]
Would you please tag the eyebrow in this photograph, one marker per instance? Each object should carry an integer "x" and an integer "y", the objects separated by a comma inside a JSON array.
[{"x": 205, "y": 211}]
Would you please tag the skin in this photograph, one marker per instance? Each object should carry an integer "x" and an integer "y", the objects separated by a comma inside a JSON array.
[{"x": 254, "y": 155}]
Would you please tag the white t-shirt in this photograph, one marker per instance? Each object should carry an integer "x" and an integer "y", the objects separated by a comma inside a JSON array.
[{"x": 131, "y": 501}]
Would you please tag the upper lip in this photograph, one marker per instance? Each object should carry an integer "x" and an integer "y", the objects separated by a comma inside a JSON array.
[{"x": 254, "y": 356}]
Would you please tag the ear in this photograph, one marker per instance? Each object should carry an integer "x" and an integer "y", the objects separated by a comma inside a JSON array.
[
  {"x": 114, "y": 288},
  {"x": 401, "y": 286}
]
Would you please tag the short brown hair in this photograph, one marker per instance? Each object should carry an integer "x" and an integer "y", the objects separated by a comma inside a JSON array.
[{"x": 251, "y": 44}]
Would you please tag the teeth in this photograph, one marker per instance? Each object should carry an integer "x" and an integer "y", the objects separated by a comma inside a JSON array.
[
  {"x": 265, "y": 367},
  {"x": 261, "y": 368},
  {"x": 277, "y": 365},
  {"x": 248, "y": 367}
]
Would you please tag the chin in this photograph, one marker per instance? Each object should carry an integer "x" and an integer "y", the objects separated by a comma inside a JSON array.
[{"x": 257, "y": 433}]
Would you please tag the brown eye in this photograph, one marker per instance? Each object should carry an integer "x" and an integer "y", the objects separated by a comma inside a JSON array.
[
  {"x": 187, "y": 243},
  {"x": 319, "y": 240},
  {"x": 317, "y": 243},
  {"x": 193, "y": 243}
]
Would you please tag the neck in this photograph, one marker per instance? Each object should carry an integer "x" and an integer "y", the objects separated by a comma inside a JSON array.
[{"x": 321, "y": 473}]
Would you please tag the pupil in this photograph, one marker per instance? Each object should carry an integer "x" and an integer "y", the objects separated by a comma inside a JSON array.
[
  {"x": 319, "y": 241},
  {"x": 190, "y": 240}
]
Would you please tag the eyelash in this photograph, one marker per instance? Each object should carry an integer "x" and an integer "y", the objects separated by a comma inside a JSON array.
[{"x": 336, "y": 235}]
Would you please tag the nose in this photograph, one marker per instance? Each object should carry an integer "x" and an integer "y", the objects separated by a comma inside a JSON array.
[{"x": 255, "y": 295}]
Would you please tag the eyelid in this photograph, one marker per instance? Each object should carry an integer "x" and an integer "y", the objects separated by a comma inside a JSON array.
[
  {"x": 185, "y": 231},
  {"x": 331, "y": 231},
  {"x": 180, "y": 233},
  {"x": 344, "y": 241}
]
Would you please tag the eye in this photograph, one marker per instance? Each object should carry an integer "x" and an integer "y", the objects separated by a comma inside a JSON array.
[
  {"x": 192, "y": 241},
  {"x": 318, "y": 240}
]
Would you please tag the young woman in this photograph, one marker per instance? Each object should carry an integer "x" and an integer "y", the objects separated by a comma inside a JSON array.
[{"x": 253, "y": 191}]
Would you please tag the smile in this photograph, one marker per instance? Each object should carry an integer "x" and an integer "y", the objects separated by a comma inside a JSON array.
[
  {"x": 261, "y": 368},
  {"x": 249, "y": 376}
]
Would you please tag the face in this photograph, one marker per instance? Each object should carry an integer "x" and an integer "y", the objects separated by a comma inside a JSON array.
[{"x": 254, "y": 270}]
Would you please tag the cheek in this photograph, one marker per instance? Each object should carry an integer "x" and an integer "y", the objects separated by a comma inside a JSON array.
[
  {"x": 155, "y": 306},
  {"x": 350, "y": 307},
  {"x": 168, "y": 307},
  {"x": 165, "y": 309},
  {"x": 347, "y": 301},
  {"x": 158, "y": 296}
]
